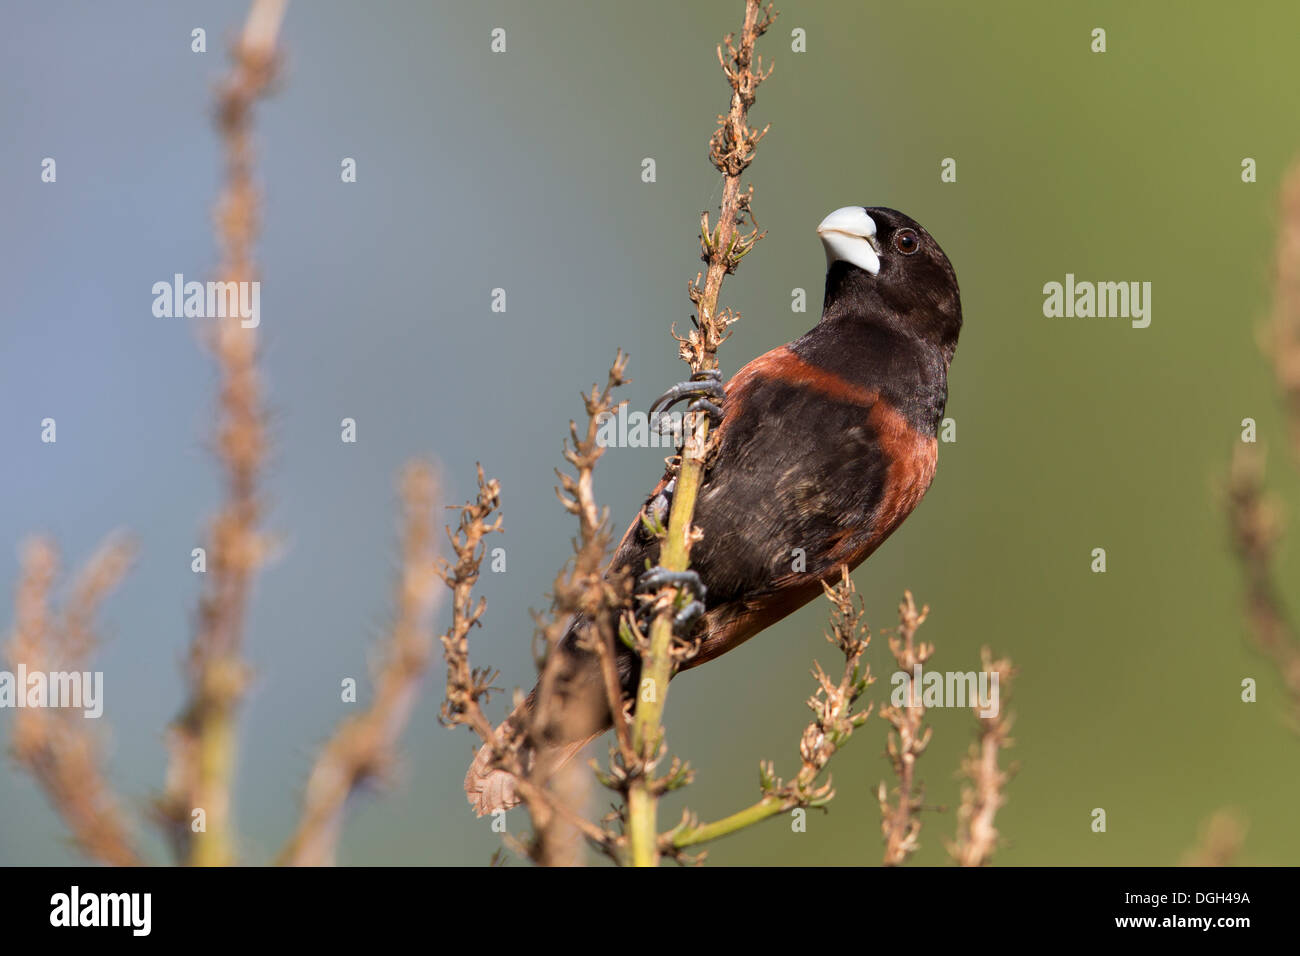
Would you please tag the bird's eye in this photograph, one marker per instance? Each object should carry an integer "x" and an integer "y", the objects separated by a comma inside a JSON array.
[{"x": 906, "y": 241}]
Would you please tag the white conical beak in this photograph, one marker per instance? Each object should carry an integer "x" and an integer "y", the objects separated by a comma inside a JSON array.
[{"x": 849, "y": 234}]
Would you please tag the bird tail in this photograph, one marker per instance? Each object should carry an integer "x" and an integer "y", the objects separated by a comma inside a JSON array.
[
  {"x": 577, "y": 720},
  {"x": 577, "y": 712},
  {"x": 490, "y": 789}
]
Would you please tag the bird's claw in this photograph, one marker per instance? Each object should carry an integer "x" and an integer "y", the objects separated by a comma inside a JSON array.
[
  {"x": 687, "y": 617},
  {"x": 706, "y": 387},
  {"x": 688, "y": 583},
  {"x": 656, "y": 577},
  {"x": 707, "y": 407}
]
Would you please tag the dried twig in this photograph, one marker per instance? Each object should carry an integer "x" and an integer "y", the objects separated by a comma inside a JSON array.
[
  {"x": 468, "y": 687},
  {"x": 202, "y": 739},
  {"x": 977, "y": 837},
  {"x": 907, "y": 741},
  {"x": 1253, "y": 516},
  {"x": 363, "y": 747},
  {"x": 1256, "y": 529},
  {"x": 1221, "y": 839},
  {"x": 584, "y": 592},
  {"x": 833, "y": 723},
  {"x": 1284, "y": 330},
  {"x": 582, "y": 588},
  {"x": 731, "y": 150},
  {"x": 56, "y": 746}
]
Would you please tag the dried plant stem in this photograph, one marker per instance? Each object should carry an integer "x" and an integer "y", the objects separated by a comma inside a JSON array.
[
  {"x": 1256, "y": 529},
  {"x": 731, "y": 150},
  {"x": 1253, "y": 517},
  {"x": 582, "y": 591},
  {"x": 1284, "y": 329},
  {"x": 55, "y": 745},
  {"x": 1221, "y": 839},
  {"x": 977, "y": 837},
  {"x": 202, "y": 740},
  {"x": 834, "y": 722},
  {"x": 907, "y": 741},
  {"x": 363, "y": 748},
  {"x": 468, "y": 687}
]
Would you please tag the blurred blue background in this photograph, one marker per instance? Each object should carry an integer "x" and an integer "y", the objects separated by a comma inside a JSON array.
[{"x": 521, "y": 171}]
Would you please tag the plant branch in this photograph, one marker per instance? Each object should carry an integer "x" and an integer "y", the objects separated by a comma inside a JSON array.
[
  {"x": 977, "y": 837},
  {"x": 1283, "y": 339},
  {"x": 833, "y": 723},
  {"x": 54, "y": 744},
  {"x": 1254, "y": 518},
  {"x": 907, "y": 741},
  {"x": 731, "y": 150},
  {"x": 1220, "y": 842},
  {"x": 202, "y": 739},
  {"x": 468, "y": 687},
  {"x": 585, "y": 594},
  {"x": 1256, "y": 529},
  {"x": 363, "y": 747}
]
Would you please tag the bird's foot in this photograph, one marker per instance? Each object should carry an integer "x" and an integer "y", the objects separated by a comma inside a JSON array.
[
  {"x": 684, "y": 620},
  {"x": 690, "y": 589},
  {"x": 705, "y": 387}
]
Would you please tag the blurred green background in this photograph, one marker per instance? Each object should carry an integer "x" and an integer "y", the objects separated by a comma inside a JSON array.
[{"x": 522, "y": 171}]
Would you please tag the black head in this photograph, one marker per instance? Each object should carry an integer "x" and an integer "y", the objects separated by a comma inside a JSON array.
[{"x": 883, "y": 266}]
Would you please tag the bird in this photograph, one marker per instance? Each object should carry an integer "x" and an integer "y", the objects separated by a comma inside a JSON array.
[{"x": 822, "y": 448}]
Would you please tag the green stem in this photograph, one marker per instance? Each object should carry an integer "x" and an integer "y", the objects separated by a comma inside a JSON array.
[
  {"x": 704, "y": 832},
  {"x": 656, "y": 670},
  {"x": 674, "y": 554}
]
